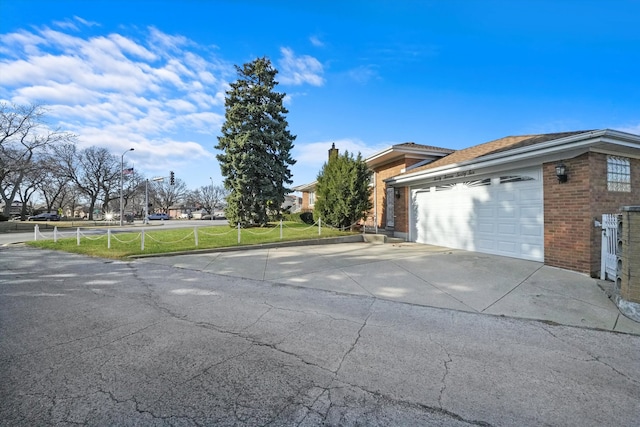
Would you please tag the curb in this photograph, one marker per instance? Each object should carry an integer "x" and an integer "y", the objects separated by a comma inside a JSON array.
[{"x": 311, "y": 242}]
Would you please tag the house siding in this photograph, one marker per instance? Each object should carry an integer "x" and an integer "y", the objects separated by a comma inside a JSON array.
[
  {"x": 571, "y": 239},
  {"x": 567, "y": 219},
  {"x": 402, "y": 212},
  {"x": 387, "y": 171},
  {"x": 305, "y": 202}
]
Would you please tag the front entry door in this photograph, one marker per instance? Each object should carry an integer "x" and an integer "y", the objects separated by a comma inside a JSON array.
[{"x": 390, "y": 214}]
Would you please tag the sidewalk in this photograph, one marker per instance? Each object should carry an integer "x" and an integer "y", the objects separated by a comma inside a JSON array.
[{"x": 424, "y": 275}]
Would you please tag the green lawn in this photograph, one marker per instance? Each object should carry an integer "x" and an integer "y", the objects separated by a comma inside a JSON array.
[{"x": 182, "y": 239}]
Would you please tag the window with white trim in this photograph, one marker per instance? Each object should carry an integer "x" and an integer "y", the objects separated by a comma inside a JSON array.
[
  {"x": 618, "y": 174},
  {"x": 312, "y": 198},
  {"x": 515, "y": 178}
]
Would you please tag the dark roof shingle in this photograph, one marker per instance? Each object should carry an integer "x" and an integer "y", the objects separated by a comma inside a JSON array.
[{"x": 493, "y": 147}]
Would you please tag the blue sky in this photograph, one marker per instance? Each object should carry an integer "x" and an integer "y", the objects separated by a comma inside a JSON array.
[{"x": 364, "y": 74}]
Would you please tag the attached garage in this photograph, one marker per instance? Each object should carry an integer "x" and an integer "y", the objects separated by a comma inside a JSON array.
[{"x": 499, "y": 214}]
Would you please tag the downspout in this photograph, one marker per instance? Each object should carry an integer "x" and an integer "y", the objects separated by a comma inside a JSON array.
[{"x": 375, "y": 201}]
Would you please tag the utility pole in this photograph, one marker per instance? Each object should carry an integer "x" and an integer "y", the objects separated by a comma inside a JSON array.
[{"x": 122, "y": 185}]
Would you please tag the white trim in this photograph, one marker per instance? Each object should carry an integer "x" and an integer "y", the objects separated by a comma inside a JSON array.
[
  {"x": 615, "y": 153},
  {"x": 544, "y": 152}
]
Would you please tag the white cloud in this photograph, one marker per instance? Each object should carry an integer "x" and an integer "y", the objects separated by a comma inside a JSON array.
[
  {"x": 634, "y": 129},
  {"x": 298, "y": 70},
  {"x": 315, "y": 40},
  {"x": 72, "y": 24},
  {"x": 364, "y": 74},
  {"x": 160, "y": 94}
]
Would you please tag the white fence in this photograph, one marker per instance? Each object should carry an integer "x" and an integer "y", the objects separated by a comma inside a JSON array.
[{"x": 108, "y": 235}]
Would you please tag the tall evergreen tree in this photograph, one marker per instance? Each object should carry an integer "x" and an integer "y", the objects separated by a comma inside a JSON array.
[
  {"x": 343, "y": 191},
  {"x": 256, "y": 145}
]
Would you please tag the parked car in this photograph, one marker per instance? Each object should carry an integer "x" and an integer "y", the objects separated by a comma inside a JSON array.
[
  {"x": 44, "y": 217},
  {"x": 158, "y": 216}
]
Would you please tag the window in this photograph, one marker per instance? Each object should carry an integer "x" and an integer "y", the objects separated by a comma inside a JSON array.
[
  {"x": 618, "y": 174},
  {"x": 515, "y": 178},
  {"x": 312, "y": 198},
  {"x": 475, "y": 183}
]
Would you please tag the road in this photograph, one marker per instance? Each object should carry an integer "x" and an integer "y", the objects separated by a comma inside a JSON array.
[{"x": 99, "y": 342}]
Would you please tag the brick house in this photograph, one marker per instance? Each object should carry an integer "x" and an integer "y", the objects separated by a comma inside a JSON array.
[
  {"x": 505, "y": 197},
  {"x": 384, "y": 164}
]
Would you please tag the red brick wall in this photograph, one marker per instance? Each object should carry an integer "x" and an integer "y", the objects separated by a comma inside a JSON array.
[
  {"x": 401, "y": 211},
  {"x": 305, "y": 201},
  {"x": 604, "y": 201},
  {"x": 571, "y": 240},
  {"x": 388, "y": 171},
  {"x": 567, "y": 220}
]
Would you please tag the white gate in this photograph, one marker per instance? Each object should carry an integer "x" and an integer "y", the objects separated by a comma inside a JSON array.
[{"x": 609, "y": 261}]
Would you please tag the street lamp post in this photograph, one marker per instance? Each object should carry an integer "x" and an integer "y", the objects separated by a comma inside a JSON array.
[
  {"x": 146, "y": 201},
  {"x": 156, "y": 179},
  {"x": 212, "y": 206},
  {"x": 122, "y": 185}
]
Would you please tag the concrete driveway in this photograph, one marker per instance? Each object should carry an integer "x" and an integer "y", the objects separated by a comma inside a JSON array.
[{"x": 425, "y": 275}]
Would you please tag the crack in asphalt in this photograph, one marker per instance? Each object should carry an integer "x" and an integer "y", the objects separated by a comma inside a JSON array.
[
  {"x": 326, "y": 392},
  {"x": 443, "y": 381},
  {"x": 592, "y": 357},
  {"x": 355, "y": 342}
]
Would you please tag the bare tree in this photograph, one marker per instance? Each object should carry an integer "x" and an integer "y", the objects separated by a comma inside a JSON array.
[
  {"x": 28, "y": 187},
  {"x": 54, "y": 186},
  {"x": 23, "y": 134},
  {"x": 213, "y": 196},
  {"x": 133, "y": 192},
  {"x": 93, "y": 170},
  {"x": 167, "y": 195}
]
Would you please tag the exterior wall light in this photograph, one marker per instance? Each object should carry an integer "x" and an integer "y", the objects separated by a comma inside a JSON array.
[
  {"x": 397, "y": 192},
  {"x": 561, "y": 172}
]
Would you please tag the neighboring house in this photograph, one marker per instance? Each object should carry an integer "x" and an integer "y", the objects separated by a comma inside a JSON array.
[
  {"x": 14, "y": 210},
  {"x": 384, "y": 164},
  {"x": 504, "y": 197},
  {"x": 308, "y": 196},
  {"x": 291, "y": 203}
]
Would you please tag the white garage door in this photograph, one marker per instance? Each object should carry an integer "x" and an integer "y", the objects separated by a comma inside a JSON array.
[{"x": 500, "y": 215}]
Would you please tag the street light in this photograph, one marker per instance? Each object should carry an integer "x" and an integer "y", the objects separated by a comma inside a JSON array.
[
  {"x": 122, "y": 184},
  {"x": 146, "y": 197},
  {"x": 146, "y": 201},
  {"x": 212, "y": 207}
]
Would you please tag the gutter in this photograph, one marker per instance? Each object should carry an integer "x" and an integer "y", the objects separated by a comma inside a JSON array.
[{"x": 583, "y": 140}]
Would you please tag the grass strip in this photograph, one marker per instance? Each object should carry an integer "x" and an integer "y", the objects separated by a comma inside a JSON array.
[{"x": 182, "y": 239}]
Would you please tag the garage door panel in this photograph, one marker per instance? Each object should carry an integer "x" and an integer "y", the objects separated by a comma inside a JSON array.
[
  {"x": 507, "y": 228},
  {"x": 486, "y": 227},
  {"x": 486, "y": 245},
  {"x": 508, "y": 247},
  {"x": 504, "y": 196},
  {"x": 504, "y": 219},
  {"x": 506, "y": 212},
  {"x": 486, "y": 212},
  {"x": 530, "y": 195},
  {"x": 529, "y": 212},
  {"x": 531, "y": 230},
  {"x": 536, "y": 251}
]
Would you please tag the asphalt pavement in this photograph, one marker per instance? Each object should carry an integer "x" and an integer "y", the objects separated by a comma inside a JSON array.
[
  {"x": 163, "y": 341},
  {"x": 425, "y": 275}
]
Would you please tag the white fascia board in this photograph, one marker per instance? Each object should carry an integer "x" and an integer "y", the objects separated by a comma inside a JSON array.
[
  {"x": 410, "y": 152},
  {"x": 551, "y": 150},
  {"x": 379, "y": 154},
  {"x": 305, "y": 187}
]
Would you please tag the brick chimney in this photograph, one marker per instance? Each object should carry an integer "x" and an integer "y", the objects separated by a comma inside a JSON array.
[{"x": 333, "y": 151}]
